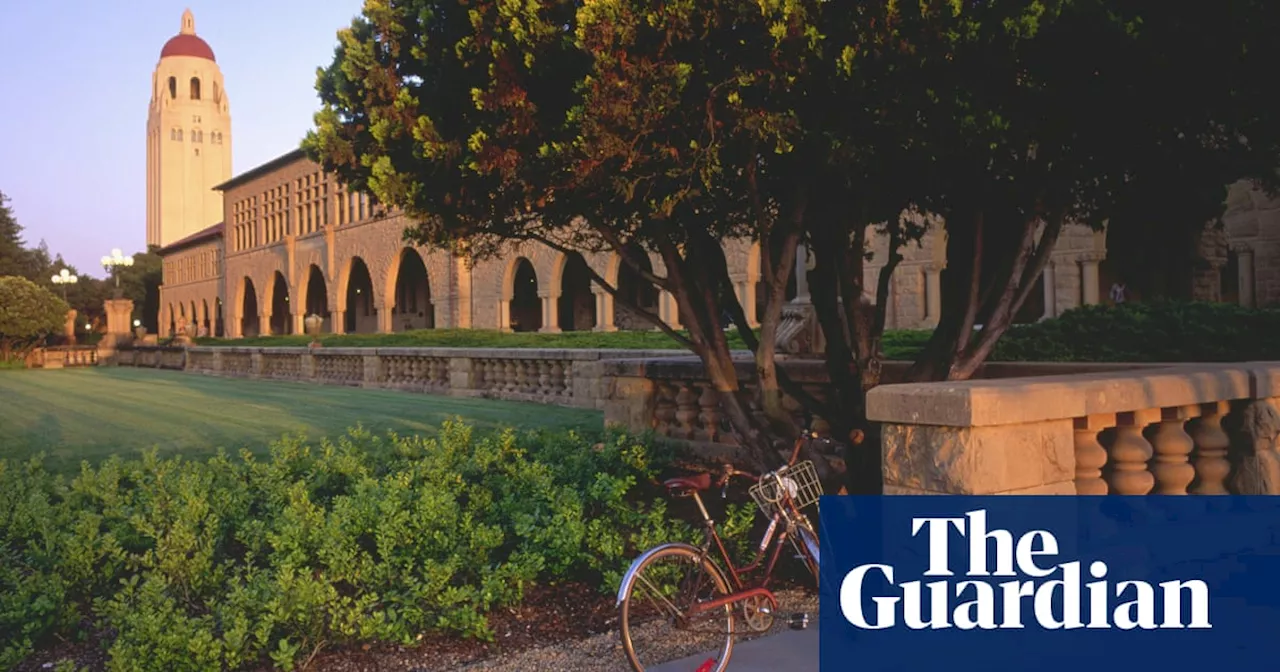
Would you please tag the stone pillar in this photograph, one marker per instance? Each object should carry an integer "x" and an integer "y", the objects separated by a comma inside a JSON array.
[
  {"x": 69, "y": 328},
  {"x": 264, "y": 324},
  {"x": 1244, "y": 258},
  {"x": 1050, "y": 292},
  {"x": 802, "y": 275},
  {"x": 1089, "y": 281},
  {"x": 119, "y": 314},
  {"x": 550, "y": 312},
  {"x": 604, "y": 310},
  {"x": 338, "y": 322},
  {"x": 386, "y": 313},
  {"x": 933, "y": 294},
  {"x": 504, "y": 315},
  {"x": 671, "y": 309},
  {"x": 298, "y": 326}
]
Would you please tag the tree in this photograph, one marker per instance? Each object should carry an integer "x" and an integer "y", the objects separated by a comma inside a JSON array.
[
  {"x": 28, "y": 314},
  {"x": 140, "y": 283},
  {"x": 15, "y": 258},
  {"x": 671, "y": 126}
]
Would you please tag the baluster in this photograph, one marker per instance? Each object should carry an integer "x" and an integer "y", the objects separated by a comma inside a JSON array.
[
  {"x": 559, "y": 388},
  {"x": 1211, "y": 464},
  {"x": 1127, "y": 468},
  {"x": 1091, "y": 457},
  {"x": 509, "y": 376},
  {"x": 664, "y": 409},
  {"x": 709, "y": 405},
  {"x": 1172, "y": 446},
  {"x": 544, "y": 378},
  {"x": 687, "y": 409}
]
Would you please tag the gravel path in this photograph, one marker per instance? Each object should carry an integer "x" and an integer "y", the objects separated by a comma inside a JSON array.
[{"x": 603, "y": 653}]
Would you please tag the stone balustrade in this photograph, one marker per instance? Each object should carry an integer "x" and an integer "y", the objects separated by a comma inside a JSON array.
[
  {"x": 561, "y": 377},
  {"x": 58, "y": 357},
  {"x": 1175, "y": 429}
]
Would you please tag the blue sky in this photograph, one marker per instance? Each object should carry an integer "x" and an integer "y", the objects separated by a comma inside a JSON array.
[{"x": 75, "y": 79}]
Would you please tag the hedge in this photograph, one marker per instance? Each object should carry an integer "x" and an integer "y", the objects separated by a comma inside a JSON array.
[{"x": 225, "y": 564}]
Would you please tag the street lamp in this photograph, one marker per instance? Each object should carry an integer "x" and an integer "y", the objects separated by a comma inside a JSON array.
[
  {"x": 116, "y": 259},
  {"x": 64, "y": 278}
]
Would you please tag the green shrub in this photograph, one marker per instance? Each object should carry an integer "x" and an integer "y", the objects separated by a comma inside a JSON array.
[
  {"x": 1163, "y": 331},
  {"x": 226, "y": 563}
]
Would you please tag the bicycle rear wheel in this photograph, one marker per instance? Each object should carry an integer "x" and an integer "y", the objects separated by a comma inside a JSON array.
[{"x": 656, "y": 624}]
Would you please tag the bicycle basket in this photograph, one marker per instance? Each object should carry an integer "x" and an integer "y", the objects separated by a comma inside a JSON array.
[{"x": 800, "y": 482}]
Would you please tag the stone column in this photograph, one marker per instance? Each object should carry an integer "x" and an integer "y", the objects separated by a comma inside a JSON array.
[
  {"x": 604, "y": 310},
  {"x": 119, "y": 312},
  {"x": 802, "y": 275},
  {"x": 550, "y": 312},
  {"x": 1244, "y": 258},
  {"x": 1089, "y": 281},
  {"x": 504, "y": 315},
  {"x": 1050, "y": 292},
  {"x": 672, "y": 309},
  {"x": 386, "y": 313},
  {"x": 933, "y": 294},
  {"x": 264, "y": 324},
  {"x": 338, "y": 321},
  {"x": 298, "y": 326}
]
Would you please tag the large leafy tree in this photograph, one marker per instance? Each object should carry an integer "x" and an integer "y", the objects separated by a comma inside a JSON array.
[
  {"x": 29, "y": 313},
  {"x": 603, "y": 124}
]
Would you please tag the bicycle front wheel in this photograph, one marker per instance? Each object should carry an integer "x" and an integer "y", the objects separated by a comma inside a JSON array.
[{"x": 658, "y": 624}]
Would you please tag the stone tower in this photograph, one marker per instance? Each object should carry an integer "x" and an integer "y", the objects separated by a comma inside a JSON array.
[{"x": 188, "y": 139}]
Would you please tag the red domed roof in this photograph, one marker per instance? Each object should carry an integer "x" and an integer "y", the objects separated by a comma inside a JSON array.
[{"x": 187, "y": 45}]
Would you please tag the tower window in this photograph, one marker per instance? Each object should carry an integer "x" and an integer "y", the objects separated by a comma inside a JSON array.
[
  {"x": 173, "y": 87},
  {"x": 195, "y": 88}
]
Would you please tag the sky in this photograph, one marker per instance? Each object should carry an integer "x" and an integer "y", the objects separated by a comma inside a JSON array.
[{"x": 75, "y": 81}]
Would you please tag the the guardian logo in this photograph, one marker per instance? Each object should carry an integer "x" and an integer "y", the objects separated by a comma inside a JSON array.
[{"x": 1051, "y": 602}]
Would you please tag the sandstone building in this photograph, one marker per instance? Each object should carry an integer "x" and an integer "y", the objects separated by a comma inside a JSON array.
[{"x": 256, "y": 253}]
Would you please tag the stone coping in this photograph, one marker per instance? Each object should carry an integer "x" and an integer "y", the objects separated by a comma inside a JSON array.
[
  {"x": 1008, "y": 401},
  {"x": 583, "y": 354}
]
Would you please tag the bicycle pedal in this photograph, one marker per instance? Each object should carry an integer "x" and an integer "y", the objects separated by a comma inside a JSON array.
[{"x": 799, "y": 621}]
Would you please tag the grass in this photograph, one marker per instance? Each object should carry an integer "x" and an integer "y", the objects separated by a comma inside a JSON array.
[
  {"x": 90, "y": 414},
  {"x": 897, "y": 344}
]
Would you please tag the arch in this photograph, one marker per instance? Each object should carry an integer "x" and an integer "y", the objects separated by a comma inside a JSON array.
[
  {"x": 206, "y": 326},
  {"x": 410, "y": 290},
  {"x": 633, "y": 289},
  {"x": 317, "y": 298},
  {"x": 218, "y": 330},
  {"x": 361, "y": 317},
  {"x": 193, "y": 320},
  {"x": 173, "y": 327},
  {"x": 195, "y": 88},
  {"x": 281, "y": 316},
  {"x": 525, "y": 306},
  {"x": 250, "y": 324},
  {"x": 173, "y": 87},
  {"x": 577, "y": 305}
]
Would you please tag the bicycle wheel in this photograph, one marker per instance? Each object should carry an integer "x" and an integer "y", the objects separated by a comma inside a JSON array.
[
  {"x": 656, "y": 624},
  {"x": 805, "y": 541}
]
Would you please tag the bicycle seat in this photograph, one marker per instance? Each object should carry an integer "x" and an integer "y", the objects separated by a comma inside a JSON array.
[{"x": 686, "y": 483}]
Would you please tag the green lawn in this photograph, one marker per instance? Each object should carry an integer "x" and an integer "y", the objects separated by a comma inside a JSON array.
[{"x": 75, "y": 414}]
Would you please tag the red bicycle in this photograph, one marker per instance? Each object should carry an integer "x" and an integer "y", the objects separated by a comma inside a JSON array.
[{"x": 676, "y": 600}]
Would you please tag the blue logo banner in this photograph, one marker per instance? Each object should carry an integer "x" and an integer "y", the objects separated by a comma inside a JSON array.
[{"x": 1049, "y": 583}]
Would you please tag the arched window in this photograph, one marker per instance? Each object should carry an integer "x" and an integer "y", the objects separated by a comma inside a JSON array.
[
  {"x": 197, "y": 136},
  {"x": 173, "y": 87},
  {"x": 179, "y": 134},
  {"x": 195, "y": 88},
  {"x": 215, "y": 91}
]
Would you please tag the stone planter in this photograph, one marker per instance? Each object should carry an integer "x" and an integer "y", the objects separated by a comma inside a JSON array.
[{"x": 311, "y": 325}]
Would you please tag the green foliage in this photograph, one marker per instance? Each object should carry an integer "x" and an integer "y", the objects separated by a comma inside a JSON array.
[
  {"x": 1148, "y": 332},
  {"x": 227, "y": 563},
  {"x": 28, "y": 314}
]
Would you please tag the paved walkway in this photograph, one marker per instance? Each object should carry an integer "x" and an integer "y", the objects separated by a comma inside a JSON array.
[{"x": 790, "y": 650}]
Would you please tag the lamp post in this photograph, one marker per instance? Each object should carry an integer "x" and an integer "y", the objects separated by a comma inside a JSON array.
[
  {"x": 115, "y": 260},
  {"x": 64, "y": 278}
]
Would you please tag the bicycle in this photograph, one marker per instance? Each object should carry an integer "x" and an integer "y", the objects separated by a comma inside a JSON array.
[{"x": 709, "y": 592}]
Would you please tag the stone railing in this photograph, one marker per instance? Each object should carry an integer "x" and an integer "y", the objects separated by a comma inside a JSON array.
[
  {"x": 561, "y": 377},
  {"x": 673, "y": 396},
  {"x": 1185, "y": 429},
  {"x": 57, "y": 357}
]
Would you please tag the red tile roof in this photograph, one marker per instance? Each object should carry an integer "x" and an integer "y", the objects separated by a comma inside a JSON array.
[
  {"x": 202, "y": 235},
  {"x": 187, "y": 45}
]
